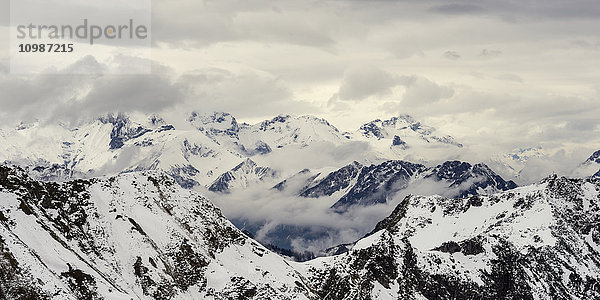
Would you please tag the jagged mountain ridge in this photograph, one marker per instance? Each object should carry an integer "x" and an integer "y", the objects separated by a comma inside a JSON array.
[
  {"x": 142, "y": 236},
  {"x": 355, "y": 184},
  {"x": 196, "y": 154},
  {"x": 134, "y": 236},
  {"x": 402, "y": 127},
  {"x": 116, "y": 144},
  {"x": 594, "y": 158},
  {"x": 535, "y": 242},
  {"x": 355, "y": 188},
  {"x": 261, "y": 138},
  {"x": 244, "y": 174}
]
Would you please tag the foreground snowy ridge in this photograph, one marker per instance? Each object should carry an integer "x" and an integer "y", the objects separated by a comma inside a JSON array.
[
  {"x": 142, "y": 236},
  {"x": 136, "y": 235},
  {"x": 535, "y": 242}
]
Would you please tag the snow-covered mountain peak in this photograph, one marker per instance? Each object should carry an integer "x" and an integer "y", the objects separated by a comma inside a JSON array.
[
  {"x": 263, "y": 137},
  {"x": 523, "y": 154},
  {"x": 385, "y": 128},
  {"x": 123, "y": 129},
  {"x": 284, "y": 130},
  {"x": 594, "y": 158},
  {"x": 404, "y": 131},
  {"x": 269, "y": 124},
  {"x": 119, "y": 118},
  {"x": 27, "y": 125},
  {"x": 317, "y": 120},
  {"x": 590, "y": 167},
  {"x": 215, "y": 123},
  {"x": 156, "y": 120},
  {"x": 241, "y": 176},
  {"x": 245, "y": 165},
  {"x": 513, "y": 163},
  {"x": 216, "y": 120},
  {"x": 300, "y": 122}
]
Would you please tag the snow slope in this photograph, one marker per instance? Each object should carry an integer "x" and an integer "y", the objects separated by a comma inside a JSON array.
[
  {"x": 141, "y": 236},
  {"x": 535, "y": 242},
  {"x": 134, "y": 236}
]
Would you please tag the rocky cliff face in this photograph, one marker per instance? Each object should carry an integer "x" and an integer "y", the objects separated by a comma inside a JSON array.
[{"x": 590, "y": 167}]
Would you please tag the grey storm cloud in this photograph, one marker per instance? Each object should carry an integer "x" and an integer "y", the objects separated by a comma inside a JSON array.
[
  {"x": 362, "y": 82},
  {"x": 425, "y": 91},
  {"x": 359, "y": 83},
  {"x": 247, "y": 94},
  {"x": 457, "y": 8},
  {"x": 518, "y": 9},
  {"x": 322, "y": 24},
  {"x": 67, "y": 96},
  {"x": 452, "y": 55},
  {"x": 70, "y": 97},
  {"x": 232, "y": 20}
]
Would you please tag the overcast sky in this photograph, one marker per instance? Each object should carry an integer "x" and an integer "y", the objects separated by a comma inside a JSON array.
[{"x": 498, "y": 73}]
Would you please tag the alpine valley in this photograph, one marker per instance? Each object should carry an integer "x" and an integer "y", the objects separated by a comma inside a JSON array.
[{"x": 139, "y": 207}]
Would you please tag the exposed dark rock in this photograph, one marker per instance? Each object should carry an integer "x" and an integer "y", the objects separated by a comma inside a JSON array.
[
  {"x": 81, "y": 283},
  {"x": 397, "y": 141},
  {"x": 16, "y": 282},
  {"x": 333, "y": 182},
  {"x": 123, "y": 130},
  {"x": 376, "y": 182},
  {"x": 594, "y": 158},
  {"x": 467, "y": 247}
]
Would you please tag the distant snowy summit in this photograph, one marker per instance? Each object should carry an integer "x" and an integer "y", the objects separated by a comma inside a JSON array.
[
  {"x": 205, "y": 147},
  {"x": 513, "y": 163},
  {"x": 397, "y": 130}
]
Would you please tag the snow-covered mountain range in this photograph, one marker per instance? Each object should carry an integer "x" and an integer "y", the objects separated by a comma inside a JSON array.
[
  {"x": 356, "y": 184},
  {"x": 116, "y": 144},
  {"x": 207, "y": 146},
  {"x": 305, "y": 157},
  {"x": 204, "y": 146},
  {"x": 516, "y": 161},
  {"x": 142, "y": 236},
  {"x": 354, "y": 192},
  {"x": 114, "y": 209}
]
